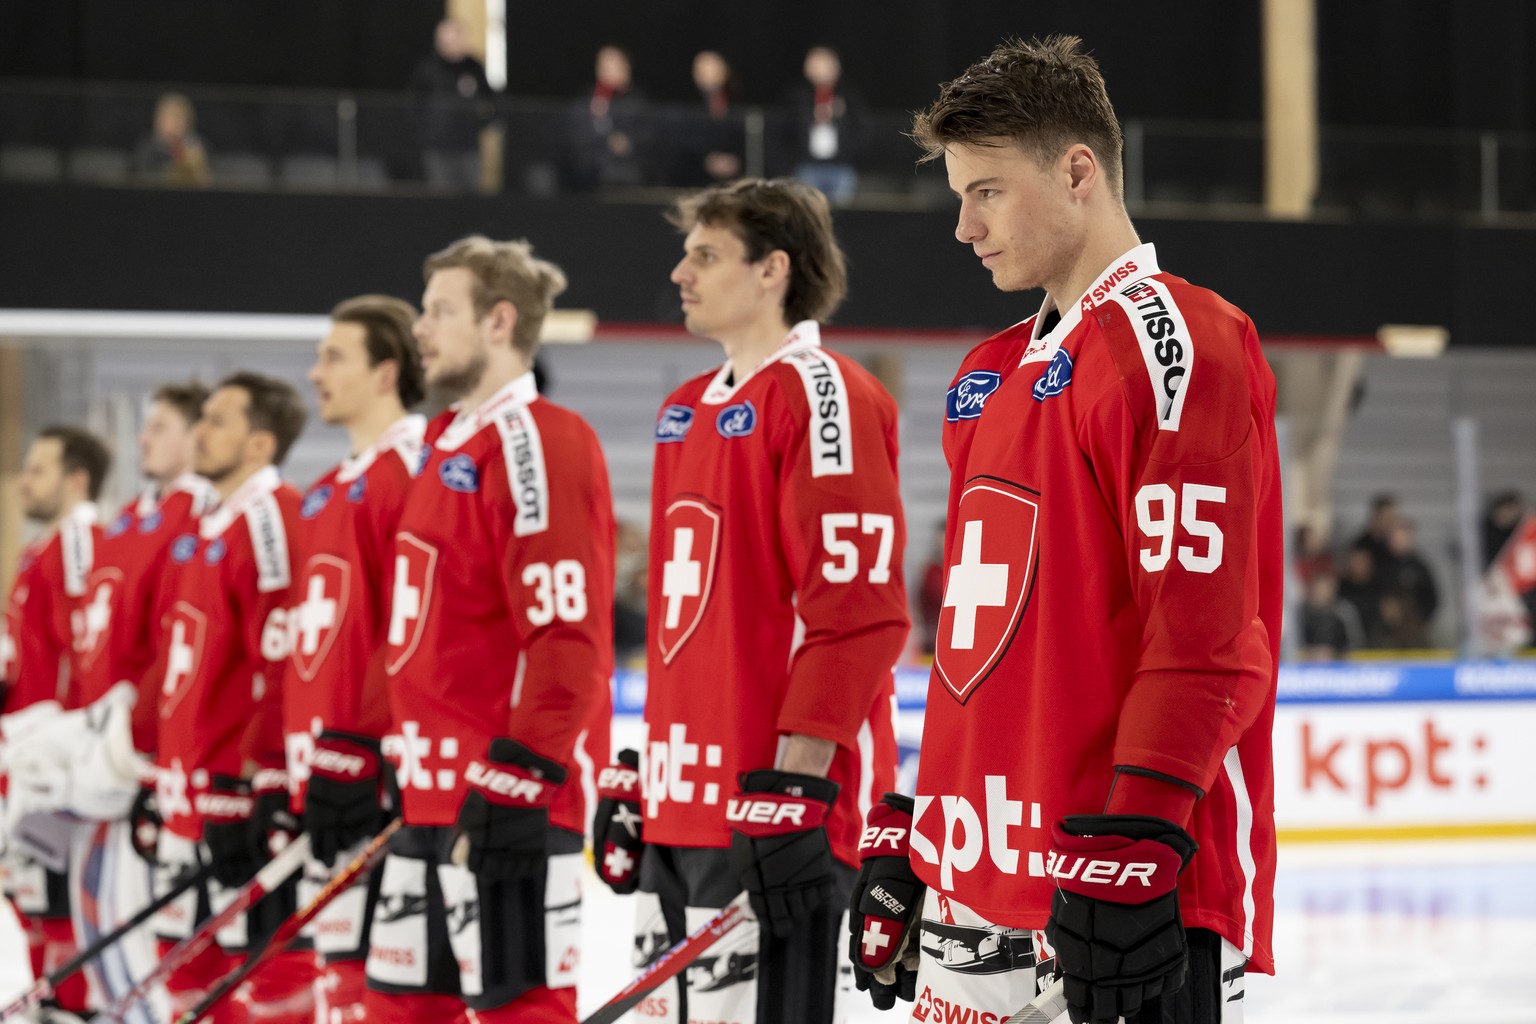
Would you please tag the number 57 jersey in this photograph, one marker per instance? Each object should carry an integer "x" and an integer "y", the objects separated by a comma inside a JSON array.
[
  {"x": 776, "y": 604},
  {"x": 501, "y": 612},
  {"x": 1112, "y": 598}
]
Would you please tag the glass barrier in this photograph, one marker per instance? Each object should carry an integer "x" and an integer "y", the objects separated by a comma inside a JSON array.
[{"x": 370, "y": 142}]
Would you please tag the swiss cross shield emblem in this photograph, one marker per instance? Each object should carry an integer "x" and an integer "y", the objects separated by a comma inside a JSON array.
[
  {"x": 410, "y": 597},
  {"x": 90, "y": 622},
  {"x": 316, "y": 617},
  {"x": 183, "y": 653},
  {"x": 988, "y": 574},
  {"x": 691, "y": 539}
]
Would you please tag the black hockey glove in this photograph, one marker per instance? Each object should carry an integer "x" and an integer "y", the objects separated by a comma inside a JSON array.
[
  {"x": 273, "y": 823},
  {"x": 505, "y": 817},
  {"x": 341, "y": 804},
  {"x": 885, "y": 915},
  {"x": 144, "y": 825},
  {"x": 616, "y": 825},
  {"x": 226, "y": 810},
  {"x": 779, "y": 845},
  {"x": 1115, "y": 916}
]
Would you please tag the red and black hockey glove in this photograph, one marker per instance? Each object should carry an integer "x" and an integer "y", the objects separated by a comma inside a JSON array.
[
  {"x": 505, "y": 817},
  {"x": 144, "y": 824},
  {"x": 616, "y": 825},
  {"x": 226, "y": 810},
  {"x": 341, "y": 803},
  {"x": 273, "y": 823},
  {"x": 1115, "y": 916},
  {"x": 885, "y": 915},
  {"x": 779, "y": 845}
]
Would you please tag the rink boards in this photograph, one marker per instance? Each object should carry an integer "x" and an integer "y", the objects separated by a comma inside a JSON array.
[{"x": 1367, "y": 750}]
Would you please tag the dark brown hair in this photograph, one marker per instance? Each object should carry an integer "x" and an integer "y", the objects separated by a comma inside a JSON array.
[
  {"x": 273, "y": 405},
  {"x": 187, "y": 399},
  {"x": 386, "y": 322},
  {"x": 779, "y": 213},
  {"x": 1044, "y": 95},
  {"x": 81, "y": 451},
  {"x": 505, "y": 272}
]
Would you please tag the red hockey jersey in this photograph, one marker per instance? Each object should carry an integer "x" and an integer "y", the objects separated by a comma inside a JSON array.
[
  {"x": 1112, "y": 597},
  {"x": 223, "y": 642},
  {"x": 119, "y": 619},
  {"x": 501, "y": 616},
  {"x": 776, "y": 597},
  {"x": 38, "y": 659},
  {"x": 338, "y": 620}
]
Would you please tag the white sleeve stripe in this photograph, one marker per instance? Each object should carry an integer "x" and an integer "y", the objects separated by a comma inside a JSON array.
[
  {"x": 523, "y": 450},
  {"x": 1243, "y": 838},
  {"x": 269, "y": 541},
  {"x": 830, "y": 426},
  {"x": 78, "y": 550},
  {"x": 1166, "y": 346}
]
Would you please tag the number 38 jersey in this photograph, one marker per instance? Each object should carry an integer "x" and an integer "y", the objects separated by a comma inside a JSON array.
[
  {"x": 776, "y": 601},
  {"x": 1112, "y": 597},
  {"x": 501, "y": 602}
]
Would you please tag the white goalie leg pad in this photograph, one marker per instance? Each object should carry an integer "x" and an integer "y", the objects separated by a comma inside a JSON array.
[
  {"x": 177, "y": 856},
  {"x": 722, "y": 983},
  {"x": 104, "y": 767},
  {"x": 397, "y": 940},
  {"x": 962, "y": 972}
]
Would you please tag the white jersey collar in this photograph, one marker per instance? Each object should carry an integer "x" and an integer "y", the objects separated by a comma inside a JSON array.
[
  {"x": 1134, "y": 264},
  {"x": 803, "y": 336},
  {"x": 520, "y": 390},
  {"x": 261, "y": 483},
  {"x": 405, "y": 433},
  {"x": 201, "y": 490}
]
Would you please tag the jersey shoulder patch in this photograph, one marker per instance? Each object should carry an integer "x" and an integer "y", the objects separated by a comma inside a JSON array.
[
  {"x": 830, "y": 424},
  {"x": 522, "y": 448},
  {"x": 77, "y": 549},
  {"x": 269, "y": 544},
  {"x": 1167, "y": 350}
]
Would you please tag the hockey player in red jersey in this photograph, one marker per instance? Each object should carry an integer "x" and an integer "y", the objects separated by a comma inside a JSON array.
[
  {"x": 61, "y": 478},
  {"x": 1096, "y": 746},
  {"x": 367, "y": 373},
  {"x": 499, "y": 655},
  {"x": 222, "y": 646},
  {"x": 777, "y": 612}
]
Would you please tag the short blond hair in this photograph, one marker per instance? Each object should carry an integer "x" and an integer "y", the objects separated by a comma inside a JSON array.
[{"x": 505, "y": 272}]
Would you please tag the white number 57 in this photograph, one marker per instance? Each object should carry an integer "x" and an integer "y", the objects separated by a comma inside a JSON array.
[{"x": 1155, "y": 513}]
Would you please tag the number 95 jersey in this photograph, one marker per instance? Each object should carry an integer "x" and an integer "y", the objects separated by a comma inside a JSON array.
[
  {"x": 1112, "y": 597},
  {"x": 776, "y": 602}
]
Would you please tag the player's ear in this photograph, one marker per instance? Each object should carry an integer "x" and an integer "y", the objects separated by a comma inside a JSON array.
[
  {"x": 261, "y": 446},
  {"x": 388, "y": 379},
  {"x": 1082, "y": 167},
  {"x": 504, "y": 318},
  {"x": 775, "y": 267}
]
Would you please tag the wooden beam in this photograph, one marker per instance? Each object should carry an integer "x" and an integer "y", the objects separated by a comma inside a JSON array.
[
  {"x": 1290, "y": 107},
  {"x": 12, "y": 442}
]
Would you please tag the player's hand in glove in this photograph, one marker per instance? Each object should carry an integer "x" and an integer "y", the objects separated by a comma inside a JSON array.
[
  {"x": 505, "y": 817},
  {"x": 226, "y": 809},
  {"x": 144, "y": 825},
  {"x": 885, "y": 916},
  {"x": 1115, "y": 916},
  {"x": 273, "y": 823},
  {"x": 779, "y": 845},
  {"x": 616, "y": 825},
  {"x": 341, "y": 804}
]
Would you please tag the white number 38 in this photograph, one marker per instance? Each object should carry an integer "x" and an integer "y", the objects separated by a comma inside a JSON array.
[{"x": 1157, "y": 505}]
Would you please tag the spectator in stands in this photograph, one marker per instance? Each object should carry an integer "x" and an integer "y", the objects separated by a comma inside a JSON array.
[
  {"x": 710, "y": 142},
  {"x": 609, "y": 140},
  {"x": 1330, "y": 627},
  {"x": 1410, "y": 597},
  {"x": 1505, "y": 510},
  {"x": 172, "y": 153},
  {"x": 1384, "y": 513},
  {"x": 1359, "y": 587},
  {"x": 826, "y": 114},
  {"x": 1310, "y": 554},
  {"x": 631, "y": 561},
  {"x": 454, "y": 100}
]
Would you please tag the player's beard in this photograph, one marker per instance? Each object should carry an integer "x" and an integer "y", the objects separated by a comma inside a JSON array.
[
  {"x": 44, "y": 509},
  {"x": 452, "y": 385},
  {"x": 216, "y": 473}
]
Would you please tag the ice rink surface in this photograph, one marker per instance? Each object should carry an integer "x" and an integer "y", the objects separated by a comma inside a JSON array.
[{"x": 1406, "y": 932}]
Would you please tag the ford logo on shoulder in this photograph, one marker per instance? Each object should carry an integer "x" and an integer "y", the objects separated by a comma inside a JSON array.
[
  {"x": 737, "y": 420},
  {"x": 151, "y": 522},
  {"x": 673, "y": 423},
  {"x": 216, "y": 551},
  {"x": 459, "y": 473},
  {"x": 1056, "y": 377},
  {"x": 357, "y": 490},
  {"x": 184, "y": 548},
  {"x": 314, "y": 501},
  {"x": 965, "y": 400},
  {"x": 119, "y": 524}
]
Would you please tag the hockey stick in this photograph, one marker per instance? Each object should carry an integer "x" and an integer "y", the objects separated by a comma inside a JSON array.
[
  {"x": 272, "y": 874},
  {"x": 44, "y": 987},
  {"x": 671, "y": 963},
  {"x": 1049, "y": 1007},
  {"x": 289, "y": 929}
]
